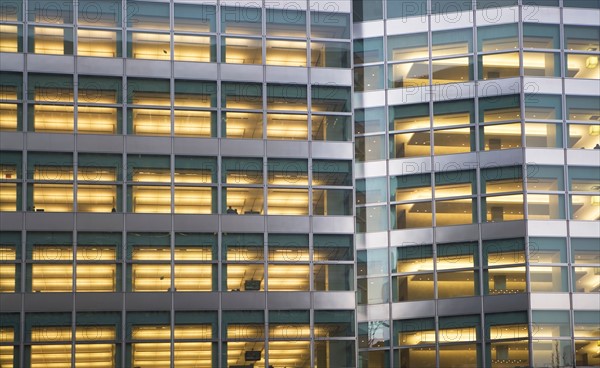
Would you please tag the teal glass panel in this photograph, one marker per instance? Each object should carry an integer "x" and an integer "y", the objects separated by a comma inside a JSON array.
[
  {"x": 371, "y": 219},
  {"x": 241, "y": 20},
  {"x": 286, "y": 23},
  {"x": 369, "y": 120},
  {"x": 368, "y": 50},
  {"x": 372, "y": 262},
  {"x": 100, "y": 13},
  {"x": 332, "y": 247},
  {"x": 195, "y": 18},
  {"x": 497, "y": 38},
  {"x": 406, "y": 8},
  {"x": 372, "y": 190},
  {"x": 329, "y": 24},
  {"x": 365, "y": 10},
  {"x": 541, "y": 36},
  {"x": 147, "y": 15}
]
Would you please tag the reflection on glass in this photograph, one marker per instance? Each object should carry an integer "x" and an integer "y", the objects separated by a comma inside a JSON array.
[
  {"x": 507, "y": 280},
  {"x": 545, "y": 207},
  {"x": 331, "y": 128},
  {"x": 370, "y": 148},
  {"x": 247, "y": 201},
  {"x": 503, "y": 208},
  {"x": 409, "y": 75},
  {"x": 543, "y": 135},
  {"x": 374, "y": 290},
  {"x": 286, "y": 53},
  {"x": 552, "y": 352},
  {"x": 413, "y": 287},
  {"x": 10, "y": 40},
  {"x": 537, "y": 64},
  {"x": 499, "y": 66},
  {"x": 98, "y": 43},
  {"x": 498, "y": 137},
  {"x": 241, "y": 50},
  {"x": 243, "y": 125},
  {"x": 371, "y": 219},
  {"x": 193, "y": 48},
  {"x": 330, "y": 54},
  {"x": 415, "y": 144},
  {"x": 457, "y": 284},
  {"x": 582, "y": 66},
  {"x": 456, "y": 212},
  {"x": 451, "y": 70},
  {"x": 452, "y": 141},
  {"x": 585, "y": 207},
  {"x": 586, "y": 279},
  {"x": 548, "y": 279},
  {"x": 411, "y": 215},
  {"x": 152, "y": 46}
]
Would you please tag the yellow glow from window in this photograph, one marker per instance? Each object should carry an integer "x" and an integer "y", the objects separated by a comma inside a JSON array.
[
  {"x": 8, "y": 38},
  {"x": 457, "y": 334},
  {"x": 508, "y": 332},
  {"x": 151, "y": 199},
  {"x": 60, "y": 355},
  {"x": 97, "y": 43},
  {"x": 95, "y": 333},
  {"x": 195, "y": 176},
  {"x": 417, "y": 337},
  {"x": 291, "y": 331},
  {"x": 7, "y": 278},
  {"x": 193, "y": 332},
  {"x": 151, "y": 333},
  {"x": 53, "y": 118},
  {"x": 245, "y": 331},
  {"x": 243, "y": 124},
  {"x": 53, "y": 173},
  {"x": 151, "y": 46},
  {"x": 151, "y": 122},
  {"x": 97, "y": 120},
  {"x": 49, "y": 40},
  {"x": 53, "y": 197},
  {"x": 287, "y": 126},
  {"x": 287, "y": 202},
  {"x": 96, "y": 278},
  {"x": 8, "y": 197},
  {"x": 95, "y": 355},
  {"x": 192, "y": 48},
  {"x": 8, "y": 117},
  {"x": 96, "y": 198},
  {"x": 52, "y": 277},
  {"x": 286, "y": 53},
  {"x": 193, "y": 123},
  {"x": 50, "y": 334},
  {"x": 242, "y": 50}
]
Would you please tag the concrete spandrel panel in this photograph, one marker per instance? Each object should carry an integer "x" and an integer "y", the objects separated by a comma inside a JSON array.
[
  {"x": 368, "y": 99},
  {"x": 372, "y": 169},
  {"x": 331, "y": 76},
  {"x": 374, "y": 28},
  {"x": 553, "y": 228},
  {"x": 410, "y": 166},
  {"x": 583, "y": 157},
  {"x": 457, "y": 233},
  {"x": 498, "y": 230},
  {"x": 371, "y": 240},
  {"x": 407, "y": 237},
  {"x": 287, "y": 149},
  {"x": 589, "y": 301},
  {"x": 11, "y": 221},
  {"x": 281, "y": 74},
  {"x": 507, "y": 157},
  {"x": 584, "y": 229},
  {"x": 10, "y": 303},
  {"x": 373, "y": 312},
  {"x": 541, "y": 156}
]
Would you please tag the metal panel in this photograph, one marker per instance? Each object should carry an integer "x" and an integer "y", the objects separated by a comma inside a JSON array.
[
  {"x": 100, "y": 143},
  {"x": 505, "y": 303},
  {"x": 196, "y": 146},
  {"x": 373, "y": 312},
  {"x": 407, "y": 25},
  {"x": 100, "y": 222},
  {"x": 540, "y": 156},
  {"x": 43, "y": 221},
  {"x": 283, "y": 224},
  {"x": 547, "y": 85},
  {"x": 580, "y": 16},
  {"x": 334, "y": 300},
  {"x": 89, "y": 301},
  {"x": 100, "y": 66},
  {"x": 411, "y": 237},
  {"x": 450, "y": 18},
  {"x": 547, "y": 228},
  {"x": 500, "y": 230},
  {"x": 584, "y": 87},
  {"x": 409, "y": 310},
  {"x": 584, "y": 229},
  {"x": 461, "y": 161},
  {"x": 373, "y": 28},
  {"x": 458, "y": 233},
  {"x": 11, "y": 141},
  {"x": 48, "y": 142},
  {"x": 281, "y": 74},
  {"x": 285, "y": 4},
  {"x": 331, "y": 6},
  {"x": 242, "y": 73},
  {"x": 333, "y": 224},
  {"x": 369, "y": 99},
  {"x": 452, "y": 91},
  {"x": 337, "y": 77},
  {"x": 411, "y": 95},
  {"x": 329, "y": 150},
  {"x": 242, "y": 147},
  {"x": 409, "y": 166},
  {"x": 196, "y": 301},
  {"x": 147, "y": 222},
  {"x": 193, "y": 223},
  {"x": 10, "y": 303},
  {"x": 147, "y": 301},
  {"x": 550, "y": 301},
  {"x": 371, "y": 240},
  {"x": 459, "y": 306},
  {"x": 240, "y": 224},
  {"x": 497, "y": 87},
  {"x": 197, "y": 71},
  {"x": 288, "y": 300},
  {"x": 586, "y": 157},
  {"x": 509, "y": 157},
  {"x": 586, "y": 301},
  {"x": 48, "y": 302},
  {"x": 243, "y": 300},
  {"x": 12, "y": 62},
  {"x": 495, "y": 16},
  {"x": 370, "y": 169},
  {"x": 11, "y": 221},
  {"x": 148, "y": 145},
  {"x": 148, "y": 68},
  {"x": 287, "y": 149},
  {"x": 64, "y": 64}
]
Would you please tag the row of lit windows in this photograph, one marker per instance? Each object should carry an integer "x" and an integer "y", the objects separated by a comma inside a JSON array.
[
  {"x": 97, "y": 342},
  {"x": 507, "y": 339},
  {"x": 50, "y": 266},
  {"x": 453, "y": 61},
  {"x": 455, "y": 197},
  {"x": 97, "y": 109},
  {"x": 453, "y": 127},
  {"x": 325, "y": 21},
  {"x": 457, "y": 270},
  {"x": 99, "y": 190},
  {"x": 366, "y": 10}
]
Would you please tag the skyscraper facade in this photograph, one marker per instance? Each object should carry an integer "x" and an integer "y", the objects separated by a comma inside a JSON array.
[{"x": 307, "y": 183}]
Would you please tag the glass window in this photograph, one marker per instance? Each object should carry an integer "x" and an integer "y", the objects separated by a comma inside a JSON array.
[
  {"x": 43, "y": 195},
  {"x": 287, "y": 202},
  {"x": 445, "y": 6},
  {"x": 52, "y": 103},
  {"x": 243, "y": 125},
  {"x": 538, "y": 64},
  {"x": 414, "y": 144},
  {"x": 497, "y": 38},
  {"x": 584, "y": 66},
  {"x": 372, "y": 190},
  {"x": 368, "y": 78},
  {"x": 41, "y": 11},
  {"x": 10, "y": 181},
  {"x": 12, "y": 11},
  {"x": 331, "y": 128},
  {"x": 147, "y": 15},
  {"x": 408, "y": 75},
  {"x": 291, "y": 97},
  {"x": 584, "y": 251},
  {"x": 585, "y": 207},
  {"x": 458, "y": 42},
  {"x": 586, "y": 337},
  {"x": 330, "y": 54},
  {"x": 51, "y": 267},
  {"x": 330, "y": 99},
  {"x": 405, "y": 9},
  {"x": 50, "y": 40},
  {"x": 241, "y": 96},
  {"x": 369, "y": 120},
  {"x": 368, "y": 50},
  {"x": 494, "y": 66},
  {"x": 408, "y": 47},
  {"x": 372, "y": 262},
  {"x": 10, "y": 268},
  {"x": 48, "y": 333},
  {"x": 330, "y": 24},
  {"x": 195, "y": 18},
  {"x": 194, "y": 48},
  {"x": 541, "y": 36},
  {"x": 11, "y": 110},
  {"x": 11, "y": 39},
  {"x": 410, "y": 288},
  {"x": 371, "y": 219},
  {"x": 98, "y": 43},
  {"x": 103, "y": 13},
  {"x": 374, "y": 334},
  {"x": 594, "y": 4},
  {"x": 242, "y": 171},
  {"x": 286, "y": 53},
  {"x": 97, "y": 256},
  {"x": 332, "y": 247},
  {"x": 286, "y": 23},
  {"x": 365, "y": 10},
  {"x": 241, "y": 20},
  {"x": 237, "y": 50},
  {"x": 581, "y": 38}
]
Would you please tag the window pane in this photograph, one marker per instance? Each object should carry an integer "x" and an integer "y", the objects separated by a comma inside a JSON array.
[
  {"x": 194, "y": 48},
  {"x": 369, "y": 78},
  {"x": 409, "y": 75},
  {"x": 147, "y": 15},
  {"x": 413, "y": 287},
  {"x": 329, "y": 24},
  {"x": 541, "y": 36},
  {"x": 247, "y": 201},
  {"x": 582, "y": 66},
  {"x": 330, "y": 54},
  {"x": 364, "y": 10},
  {"x": 499, "y": 66},
  {"x": 286, "y": 53},
  {"x": 331, "y": 128},
  {"x": 241, "y": 50},
  {"x": 369, "y": 120},
  {"x": 408, "y": 47},
  {"x": 496, "y": 38},
  {"x": 402, "y": 9},
  {"x": 582, "y": 38},
  {"x": 241, "y": 20},
  {"x": 195, "y": 18},
  {"x": 368, "y": 50},
  {"x": 456, "y": 43},
  {"x": 287, "y": 126},
  {"x": 286, "y": 23},
  {"x": 411, "y": 215},
  {"x": 98, "y": 43},
  {"x": 371, "y": 219}
]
